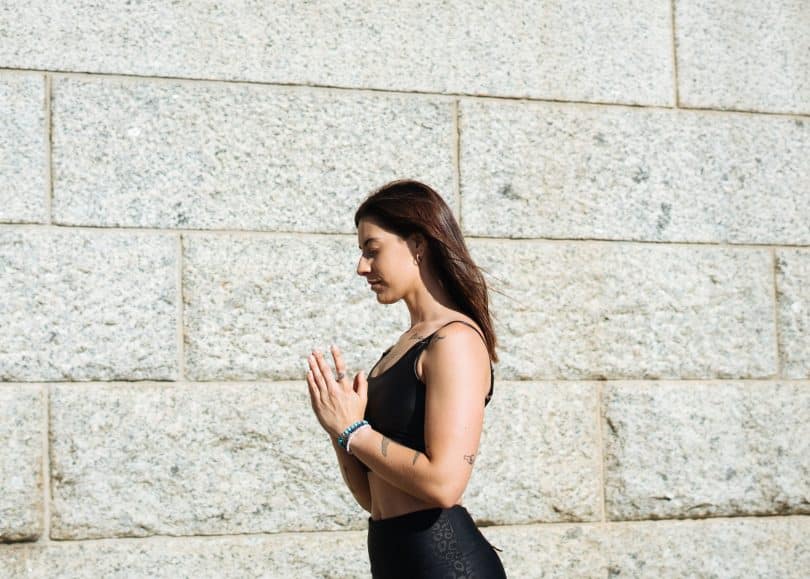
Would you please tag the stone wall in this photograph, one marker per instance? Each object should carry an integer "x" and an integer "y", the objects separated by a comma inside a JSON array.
[{"x": 177, "y": 186}]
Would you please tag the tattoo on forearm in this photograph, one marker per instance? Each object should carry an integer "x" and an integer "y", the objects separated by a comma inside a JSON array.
[
  {"x": 470, "y": 458},
  {"x": 415, "y": 456},
  {"x": 384, "y": 445}
]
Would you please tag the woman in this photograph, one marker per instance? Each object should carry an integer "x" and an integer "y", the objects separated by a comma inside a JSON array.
[{"x": 407, "y": 436}]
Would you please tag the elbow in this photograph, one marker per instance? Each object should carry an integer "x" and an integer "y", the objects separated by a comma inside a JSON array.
[
  {"x": 365, "y": 505},
  {"x": 364, "y": 500},
  {"x": 448, "y": 501},
  {"x": 448, "y": 504},
  {"x": 447, "y": 484},
  {"x": 446, "y": 495}
]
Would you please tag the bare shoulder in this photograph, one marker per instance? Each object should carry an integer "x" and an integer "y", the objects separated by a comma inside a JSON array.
[
  {"x": 459, "y": 327},
  {"x": 453, "y": 347}
]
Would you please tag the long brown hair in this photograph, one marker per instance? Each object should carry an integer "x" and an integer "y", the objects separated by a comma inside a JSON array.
[{"x": 406, "y": 206}]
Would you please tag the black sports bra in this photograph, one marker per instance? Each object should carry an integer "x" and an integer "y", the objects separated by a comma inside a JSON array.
[{"x": 396, "y": 397}]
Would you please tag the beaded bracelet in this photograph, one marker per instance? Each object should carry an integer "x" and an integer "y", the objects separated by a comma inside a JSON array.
[
  {"x": 349, "y": 440},
  {"x": 349, "y": 429}
]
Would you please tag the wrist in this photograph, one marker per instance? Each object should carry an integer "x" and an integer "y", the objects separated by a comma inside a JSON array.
[
  {"x": 353, "y": 437},
  {"x": 343, "y": 436}
]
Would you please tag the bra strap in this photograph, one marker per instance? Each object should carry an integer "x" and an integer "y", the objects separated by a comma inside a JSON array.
[{"x": 462, "y": 322}]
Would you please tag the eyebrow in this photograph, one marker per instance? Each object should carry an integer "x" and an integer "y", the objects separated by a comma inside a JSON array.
[{"x": 367, "y": 240}]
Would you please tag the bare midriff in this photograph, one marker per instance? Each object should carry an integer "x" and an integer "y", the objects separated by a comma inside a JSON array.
[{"x": 389, "y": 501}]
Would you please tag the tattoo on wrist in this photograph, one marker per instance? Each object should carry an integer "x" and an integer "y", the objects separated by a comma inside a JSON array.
[
  {"x": 415, "y": 456},
  {"x": 470, "y": 458},
  {"x": 384, "y": 445}
]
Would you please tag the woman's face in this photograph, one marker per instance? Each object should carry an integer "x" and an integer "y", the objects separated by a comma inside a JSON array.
[{"x": 387, "y": 260}]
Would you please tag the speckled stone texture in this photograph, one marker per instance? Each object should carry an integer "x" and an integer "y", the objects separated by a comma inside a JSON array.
[
  {"x": 793, "y": 297},
  {"x": 678, "y": 450},
  {"x": 22, "y": 431},
  {"x": 328, "y": 555},
  {"x": 548, "y": 49},
  {"x": 539, "y": 456},
  {"x": 177, "y": 188},
  {"x": 609, "y": 310},
  {"x": 570, "y": 171},
  {"x": 218, "y": 156},
  {"x": 770, "y": 547},
  {"x": 560, "y": 550},
  {"x": 23, "y": 192},
  {"x": 255, "y": 307},
  {"x": 744, "y": 55},
  {"x": 192, "y": 459},
  {"x": 84, "y": 305}
]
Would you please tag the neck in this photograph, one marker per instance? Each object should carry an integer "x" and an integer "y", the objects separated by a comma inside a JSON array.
[{"x": 429, "y": 303}]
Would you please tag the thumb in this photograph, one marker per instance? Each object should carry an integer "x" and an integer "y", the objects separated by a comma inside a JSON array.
[{"x": 361, "y": 384}]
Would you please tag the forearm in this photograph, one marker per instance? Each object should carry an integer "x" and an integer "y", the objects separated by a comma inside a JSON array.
[
  {"x": 354, "y": 475},
  {"x": 406, "y": 468}
]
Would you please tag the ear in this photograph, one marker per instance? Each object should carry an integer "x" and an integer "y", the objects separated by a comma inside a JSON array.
[{"x": 419, "y": 242}]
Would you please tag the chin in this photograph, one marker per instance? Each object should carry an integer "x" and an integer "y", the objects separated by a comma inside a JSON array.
[{"x": 385, "y": 300}]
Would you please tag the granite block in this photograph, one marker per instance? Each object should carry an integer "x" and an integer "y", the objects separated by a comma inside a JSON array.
[
  {"x": 83, "y": 305},
  {"x": 23, "y": 161}
]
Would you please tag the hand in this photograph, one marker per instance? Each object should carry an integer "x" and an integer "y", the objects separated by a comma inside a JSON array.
[{"x": 337, "y": 404}]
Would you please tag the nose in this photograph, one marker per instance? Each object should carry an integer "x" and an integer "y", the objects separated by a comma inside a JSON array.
[{"x": 362, "y": 266}]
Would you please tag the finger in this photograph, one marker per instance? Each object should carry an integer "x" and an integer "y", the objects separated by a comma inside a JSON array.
[
  {"x": 313, "y": 389},
  {"x": 340, "y": 365},
  {"x": 320, "y": 383},
  {"x": 326, "y": 370},
  {"x": 314, "y": 397},
  {"x": 362, "y": 385}
]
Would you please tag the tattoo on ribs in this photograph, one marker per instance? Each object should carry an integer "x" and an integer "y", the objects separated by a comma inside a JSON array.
[
  {"x": 470, "y": 458},
  {"x": 384, "y": 445}
]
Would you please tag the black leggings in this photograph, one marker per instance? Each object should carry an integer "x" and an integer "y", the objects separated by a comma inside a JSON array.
[{"x": 428, "y": 544}]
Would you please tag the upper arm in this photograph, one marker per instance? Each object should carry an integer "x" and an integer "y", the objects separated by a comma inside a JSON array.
[{"x": 456, "y": 372}]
